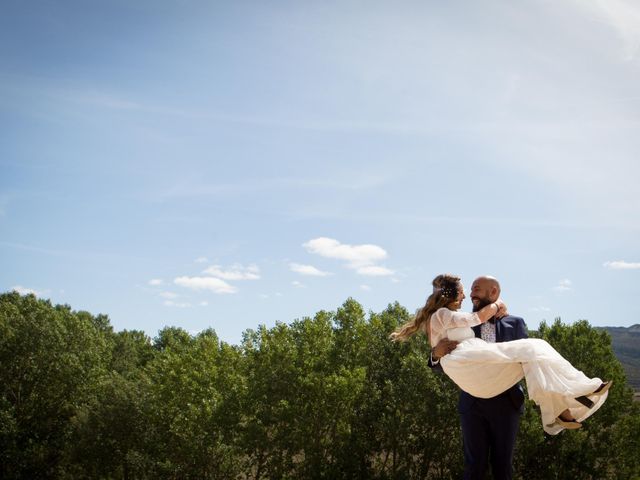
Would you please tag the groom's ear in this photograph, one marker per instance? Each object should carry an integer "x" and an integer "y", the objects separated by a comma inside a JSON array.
[{"x": 495, "y": 293}]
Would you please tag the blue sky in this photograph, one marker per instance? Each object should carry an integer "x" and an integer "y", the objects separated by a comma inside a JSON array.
[{"x": 229, "y": 164}]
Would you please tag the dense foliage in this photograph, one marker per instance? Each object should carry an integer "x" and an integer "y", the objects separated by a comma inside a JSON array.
[{"x": 322, "y": 397}]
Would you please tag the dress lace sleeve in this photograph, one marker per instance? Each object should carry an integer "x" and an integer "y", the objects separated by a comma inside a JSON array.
[
  {"x": 445, "y": 319},
  {"x": 449, "y": 319}
]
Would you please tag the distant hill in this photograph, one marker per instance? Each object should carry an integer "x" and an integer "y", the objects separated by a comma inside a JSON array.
[{"x": 626, "y": 346}]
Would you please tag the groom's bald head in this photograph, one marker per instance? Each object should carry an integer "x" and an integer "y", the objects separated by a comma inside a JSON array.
[
  {"x": 484, "y": 290},
  {"x": 489, "y": 282}
]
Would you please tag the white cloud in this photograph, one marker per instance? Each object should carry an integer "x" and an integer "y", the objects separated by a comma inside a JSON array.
[
  {"x": 540, "y": 309},
  {"x": 102, "y": 99},
  {"x": 624, "y": 17},
  {"x": 366, "y": 288},
  {"x": 27, "y": 291},
  {"x": 564, "y": 285},
  {"x": 201, "y": 260},
  {"x": 374, "y": 271},
  {"x": 154, "y": 282},
  {"x": 361, "y": 258},
  {"x": 297, "y": 284},
  {"x": 216, "y": 280},
  {"x": 264, "y": 296},
  {"x": 204, "y": 304},
  {"x": 235, "y": 272},
  {"x": 171, "y": 303},
  {"x": 355, "y": 255},
  {"x": 212, "y": 284},
  {"x": 251, "y": 187},
  {"x": 169, "y": 295},
  {"x": 307, "y": 270},
  {"x": 621, "y": 265}
]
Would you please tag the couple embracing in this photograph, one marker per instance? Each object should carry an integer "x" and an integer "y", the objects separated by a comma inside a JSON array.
[{"x": 486, "y": 353}]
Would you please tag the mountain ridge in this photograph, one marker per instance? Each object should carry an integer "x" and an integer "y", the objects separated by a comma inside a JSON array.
[{"x": 625, "y": 342}]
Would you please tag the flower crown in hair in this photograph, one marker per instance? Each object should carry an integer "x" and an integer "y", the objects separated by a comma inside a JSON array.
[{"x": 446, "y": 292}]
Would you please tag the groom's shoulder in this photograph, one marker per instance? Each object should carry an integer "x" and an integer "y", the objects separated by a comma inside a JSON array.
[
  {"x": 516, "y": 323},
  {"x": 512, "y": 319}
]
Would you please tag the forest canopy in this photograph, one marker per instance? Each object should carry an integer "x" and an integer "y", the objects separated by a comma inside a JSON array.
[{"x": 327, "y": 396}]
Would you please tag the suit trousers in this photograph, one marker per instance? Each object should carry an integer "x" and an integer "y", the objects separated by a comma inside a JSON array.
[{"x": 489, "y": 430}]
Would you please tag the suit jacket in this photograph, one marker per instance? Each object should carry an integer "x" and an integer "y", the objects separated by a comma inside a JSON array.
[{"x": 507, "y": 328}]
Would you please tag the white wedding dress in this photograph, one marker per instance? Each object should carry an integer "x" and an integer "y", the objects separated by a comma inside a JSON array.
[{"x": 485, "y": 369}]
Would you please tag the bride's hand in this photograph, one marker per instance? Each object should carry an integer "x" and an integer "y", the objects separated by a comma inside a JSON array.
[{"x": 502, "y": 309}]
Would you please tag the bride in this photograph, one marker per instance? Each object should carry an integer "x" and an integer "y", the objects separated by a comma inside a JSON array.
[{"x": 566, "y": 396}]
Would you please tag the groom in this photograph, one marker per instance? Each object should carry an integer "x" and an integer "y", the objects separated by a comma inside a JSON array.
[{"x": 489, "y": 426}]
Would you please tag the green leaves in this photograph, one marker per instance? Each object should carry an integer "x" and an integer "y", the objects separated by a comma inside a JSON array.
[
  {"x": 586, "y": 453},
  {"x": 47, "y": 354},
  {"x": 328, "y": 396}
]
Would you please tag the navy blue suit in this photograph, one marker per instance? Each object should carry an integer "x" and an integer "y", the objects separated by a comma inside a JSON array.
[{"x": 490, "y": 426}]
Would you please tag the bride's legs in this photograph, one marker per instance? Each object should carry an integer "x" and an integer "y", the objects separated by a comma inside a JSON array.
[
  {"x": 556, "y": 410},
  {"x": 590, "y": 399},
  {"x": 566, "y": 420}
]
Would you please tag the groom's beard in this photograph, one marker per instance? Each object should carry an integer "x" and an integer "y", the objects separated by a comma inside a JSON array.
[{"x": 482, "y": 302}]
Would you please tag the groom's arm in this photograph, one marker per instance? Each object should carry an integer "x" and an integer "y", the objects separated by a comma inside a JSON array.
[
  {"x": 443, "y": 347},
  {"x": 522, "y": 328},
  {"x": 516, "y": 393}
]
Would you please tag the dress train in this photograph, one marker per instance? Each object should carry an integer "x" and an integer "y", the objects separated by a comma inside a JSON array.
[{"x": 485, "y": 370}]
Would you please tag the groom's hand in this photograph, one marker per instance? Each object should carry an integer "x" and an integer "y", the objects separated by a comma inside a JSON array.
[{"x": 444, "y": 347}]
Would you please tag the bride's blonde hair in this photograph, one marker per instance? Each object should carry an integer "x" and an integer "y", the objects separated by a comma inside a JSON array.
[{"x": 445, "y": 292}]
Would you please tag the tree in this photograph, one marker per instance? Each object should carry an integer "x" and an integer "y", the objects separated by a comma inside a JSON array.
[
  {"x": 110, "y": 435},
  {"x": 192, "y": 403},
  {"x": 328, "y": 396},
  {"x": 585, "y": 453},
  {"x": 50, "y": 358}
]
